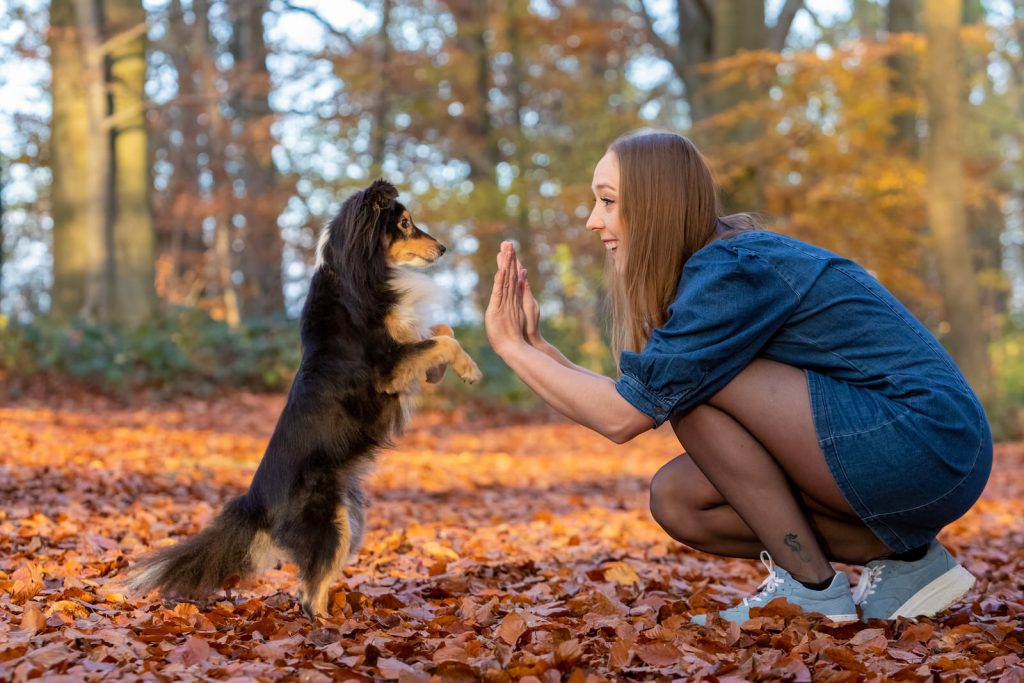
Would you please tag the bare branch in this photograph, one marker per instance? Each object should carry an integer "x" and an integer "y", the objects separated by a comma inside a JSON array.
[
  {"x": 123, "y": 38},
  {"x": 778, "y": 33},
  {"x": 815, "y": 20},
  {"x": 705, "y": 8},
  {"x": 668, "y": 51},
  {"x": 328, "y": 26}
]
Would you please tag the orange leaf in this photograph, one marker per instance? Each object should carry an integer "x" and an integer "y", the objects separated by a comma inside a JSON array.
[
  {"x": 32, "y": 619},
  {"x": 193, "y": 651},
  {"x": 620, "y": 572},
  {"x": 659, "y": 654},
  {"x": 512, "y": 627}
]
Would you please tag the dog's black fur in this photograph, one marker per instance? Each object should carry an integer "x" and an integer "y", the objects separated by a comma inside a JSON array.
[{"x": 361, "y": 360}]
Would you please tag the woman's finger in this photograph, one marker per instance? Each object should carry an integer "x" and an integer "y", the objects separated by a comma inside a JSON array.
[
  {"x": 510, "y": 278},
  {"x": 498, "y": 291}
]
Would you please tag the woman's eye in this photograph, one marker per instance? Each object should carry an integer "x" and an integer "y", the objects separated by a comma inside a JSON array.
[{"x": 607, "y": 202}]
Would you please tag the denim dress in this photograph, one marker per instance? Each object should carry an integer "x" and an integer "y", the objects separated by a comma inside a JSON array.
[{"x": 905, "y": 437}]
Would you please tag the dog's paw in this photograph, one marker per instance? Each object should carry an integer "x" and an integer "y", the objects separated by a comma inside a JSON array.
[{"x": 468, "y": 370}]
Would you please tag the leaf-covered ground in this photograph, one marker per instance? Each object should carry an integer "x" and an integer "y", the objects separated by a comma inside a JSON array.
[{"x": 495, "y": 552}]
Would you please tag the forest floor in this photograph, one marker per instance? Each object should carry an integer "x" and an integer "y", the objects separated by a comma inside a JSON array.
[{"x": 495, "y": 551}]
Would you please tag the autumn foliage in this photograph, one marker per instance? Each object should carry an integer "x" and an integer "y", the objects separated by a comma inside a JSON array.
[{"x": 496, "y": 551}]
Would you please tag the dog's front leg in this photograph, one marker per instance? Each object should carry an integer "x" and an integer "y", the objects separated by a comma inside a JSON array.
[
  {"x": 428, "y": 354},
  {"x": 436, "y": 373}
]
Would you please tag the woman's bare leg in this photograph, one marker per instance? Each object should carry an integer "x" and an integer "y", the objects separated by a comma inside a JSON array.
[{"x": 756, "y": 446}]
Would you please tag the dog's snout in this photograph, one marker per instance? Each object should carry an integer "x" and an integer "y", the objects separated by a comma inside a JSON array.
[{"x": 441, "y": 249}]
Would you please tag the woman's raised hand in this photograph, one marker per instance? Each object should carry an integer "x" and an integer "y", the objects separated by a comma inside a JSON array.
[
  {"x": 505, "y": 320},
  {"x": 531, "y": 310}
]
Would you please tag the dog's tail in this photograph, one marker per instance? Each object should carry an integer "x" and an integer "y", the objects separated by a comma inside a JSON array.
[{"x": 235, "y": 544}]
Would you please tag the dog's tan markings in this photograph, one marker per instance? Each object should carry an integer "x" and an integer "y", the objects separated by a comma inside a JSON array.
[
  {"x": 408, "y": 250},
  {"x": 444, "y": 350},
  {"x": 315, "y": 594},
  {"x": 442, "y": 330},
  {"x": 401, "y": 330},
  {"x": 405, "y": 223},
  {"x": 262, "y": 552}
]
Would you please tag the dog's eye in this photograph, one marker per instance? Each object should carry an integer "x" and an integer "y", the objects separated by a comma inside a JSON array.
[{"x": 405, "y": 223}]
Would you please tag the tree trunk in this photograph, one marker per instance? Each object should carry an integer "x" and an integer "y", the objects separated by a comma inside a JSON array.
[
  {"x": 133, "y": 237},
  {"x": 477, "y": 135},
  {"x": 516, "y": 11},
  {"x": 262, "y": 256},
  {"x": 382, "y": 105},
  {"x": 99, "y": 266},
  {"x": 181, "y": 239},
  {"x": 217, "y": 134},
  {"x": 707, "y": 32},
  {"x": 945, "y": 194},
  {"x": 69, "y": 140},
  {"x": 739, "y": 25},
  {"x": 902, "y": 18}
]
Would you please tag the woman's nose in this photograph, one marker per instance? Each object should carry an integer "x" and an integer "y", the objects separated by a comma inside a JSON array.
[{"x": 592, "y": 221}]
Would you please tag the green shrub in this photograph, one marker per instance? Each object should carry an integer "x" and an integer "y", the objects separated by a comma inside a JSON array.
[
  {"x": 179, "y": 351},
  {"x": 182, "y": 351}
]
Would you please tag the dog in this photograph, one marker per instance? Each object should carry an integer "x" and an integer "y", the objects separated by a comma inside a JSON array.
[{"x": 365, "y": 352}]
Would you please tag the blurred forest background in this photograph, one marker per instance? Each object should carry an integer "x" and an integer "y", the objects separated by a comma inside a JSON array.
[{"x": 166, "y": 164}]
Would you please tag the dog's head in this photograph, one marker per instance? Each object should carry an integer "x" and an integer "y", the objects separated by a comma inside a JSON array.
[{"x": 372, "y": 225}]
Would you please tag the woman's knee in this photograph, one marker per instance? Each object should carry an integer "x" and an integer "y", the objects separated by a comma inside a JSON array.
[{"x": 679, "y": 494}]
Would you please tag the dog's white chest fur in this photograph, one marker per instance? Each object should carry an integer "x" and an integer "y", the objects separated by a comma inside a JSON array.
[{"x": 420, "y": 301}]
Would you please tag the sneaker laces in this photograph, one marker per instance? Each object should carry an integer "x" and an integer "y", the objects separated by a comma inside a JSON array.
[
  {"x": 867, "y": 584},
  {"x": 770, "y": 583}
]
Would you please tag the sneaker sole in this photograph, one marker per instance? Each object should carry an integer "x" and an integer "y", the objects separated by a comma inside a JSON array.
[
  {"x": 842, "y": 618},
  {"x": 941, "y": 593}
]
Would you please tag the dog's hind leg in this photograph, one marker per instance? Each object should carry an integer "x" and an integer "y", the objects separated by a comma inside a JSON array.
[{"x": 322, "y": 561}]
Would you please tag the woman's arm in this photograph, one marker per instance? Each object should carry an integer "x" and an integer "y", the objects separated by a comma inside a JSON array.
[{"x": 582, "y": 396}]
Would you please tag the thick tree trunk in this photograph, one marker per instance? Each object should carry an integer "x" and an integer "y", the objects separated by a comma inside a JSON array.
[
  {"x": 477, "y": 136},
  {"x": 945, "y": 193},
  {"x": 181, "y": 239},
  {"x": 263, "y": 252},
  {"x": 902, "y": 18},
  {"x": 382, "y": 105},
  {"x": 708, "y": 32},
  {"x": 69, "y": 140},
  {"x": 99, "y": 249},
  {"x": 133, "y": 235},
  {"x": 217, "y": 135},
  {"x": 516, "y": 11}
]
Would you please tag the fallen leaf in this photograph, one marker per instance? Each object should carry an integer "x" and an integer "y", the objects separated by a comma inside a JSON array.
[
  {"x": 512, "y": 627},
  {"x": 659, "y": 655},
  {"x": 620, "y": 573},
  {"x": 32, "y": 620},
  {"x": 193, "y": 651}
]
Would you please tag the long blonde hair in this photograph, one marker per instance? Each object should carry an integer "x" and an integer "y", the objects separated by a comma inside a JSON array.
[{"x": 670, "y": 207}]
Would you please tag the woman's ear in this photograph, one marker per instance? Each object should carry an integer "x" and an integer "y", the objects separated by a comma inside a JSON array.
[{"x": 380, "y": 195}]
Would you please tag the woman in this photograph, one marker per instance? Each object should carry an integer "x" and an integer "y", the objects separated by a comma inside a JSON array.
[{"x": 821, "y": 421}]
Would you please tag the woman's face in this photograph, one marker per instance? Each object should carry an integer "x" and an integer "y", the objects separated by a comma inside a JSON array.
[{"x": 605, "y": 218}]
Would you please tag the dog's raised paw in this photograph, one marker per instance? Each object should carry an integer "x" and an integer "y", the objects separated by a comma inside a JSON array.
[{"x": 470, "y": 373}]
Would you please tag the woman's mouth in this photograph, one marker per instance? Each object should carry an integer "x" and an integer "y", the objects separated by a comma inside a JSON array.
[{"x": 611, "y": 245}]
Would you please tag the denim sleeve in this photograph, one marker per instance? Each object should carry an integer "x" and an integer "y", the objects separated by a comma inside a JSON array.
[{"x": 730, "y": 302}]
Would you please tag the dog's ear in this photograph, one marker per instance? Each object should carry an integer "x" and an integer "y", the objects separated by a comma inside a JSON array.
[{"x": 380, "y": 195}]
